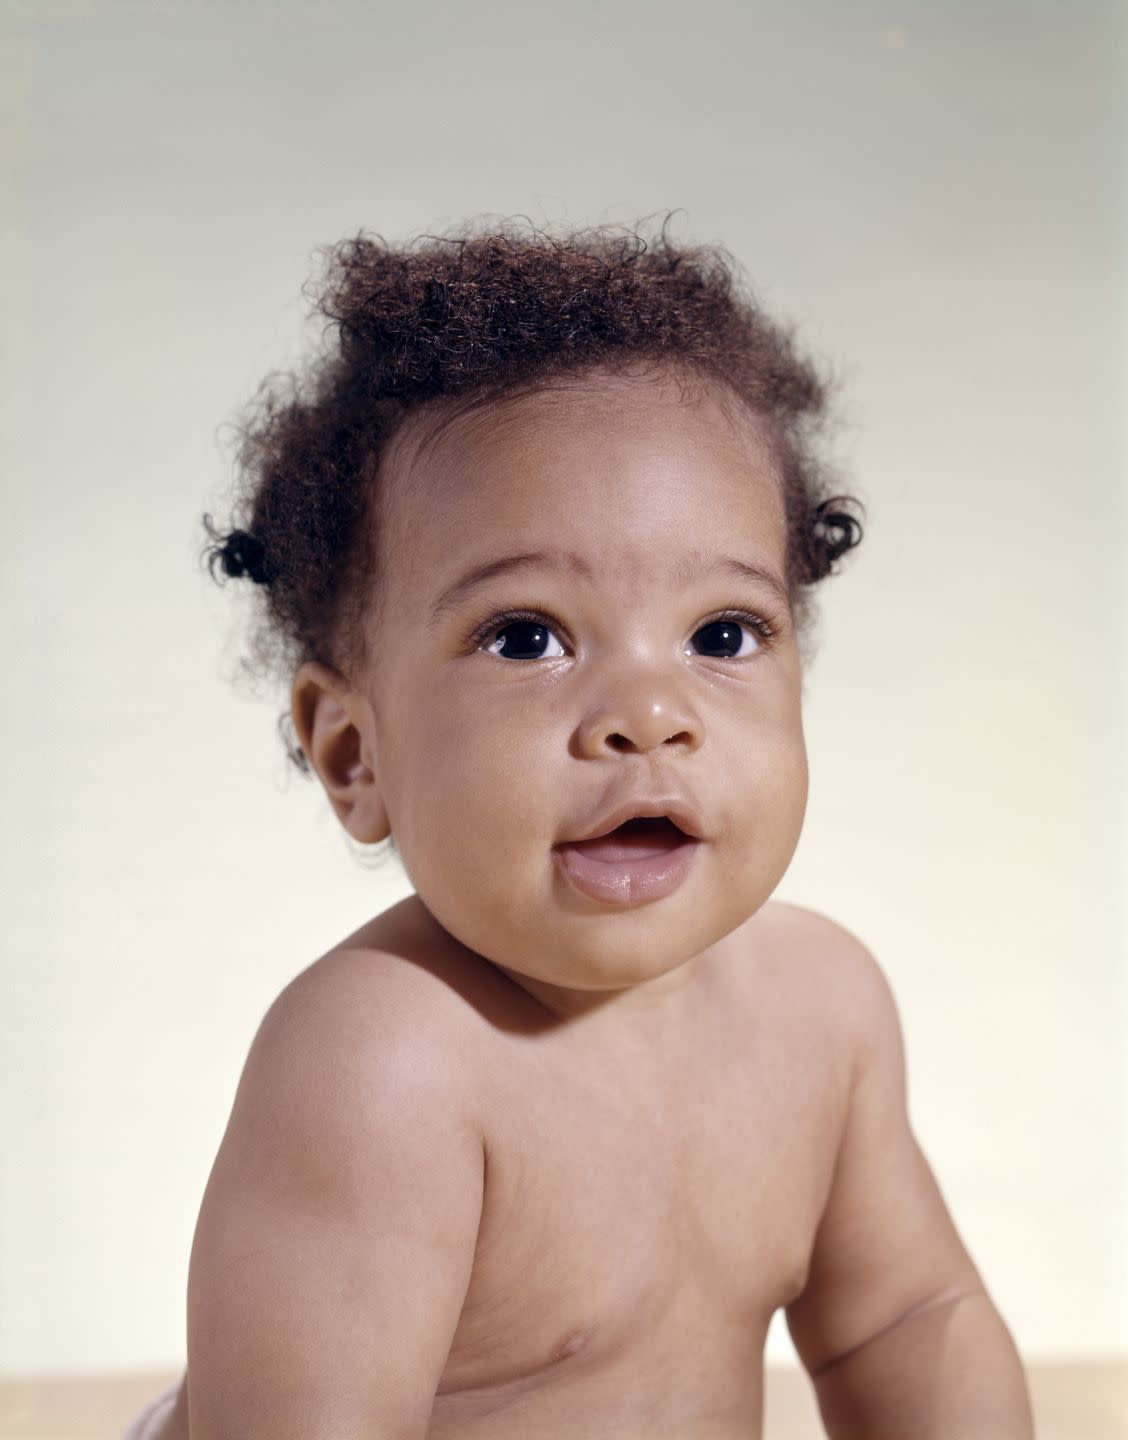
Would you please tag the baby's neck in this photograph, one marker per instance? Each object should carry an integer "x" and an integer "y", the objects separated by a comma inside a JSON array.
[{"x": 648, "y": 1007}]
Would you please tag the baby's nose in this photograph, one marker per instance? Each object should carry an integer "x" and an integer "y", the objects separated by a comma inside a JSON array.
[{"x": 640, "y": 723}]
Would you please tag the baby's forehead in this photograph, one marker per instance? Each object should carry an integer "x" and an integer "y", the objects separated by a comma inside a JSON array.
[
  {"x": 454, "y": 429},
  {"x": 647, "y": 480}
]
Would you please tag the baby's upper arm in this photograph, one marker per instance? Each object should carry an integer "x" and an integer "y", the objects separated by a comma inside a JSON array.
[
  {"x": 885, "y": 1243},
  {"x": 337, "y": 1233}
]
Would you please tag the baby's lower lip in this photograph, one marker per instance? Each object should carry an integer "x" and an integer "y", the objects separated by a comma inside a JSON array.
[{"x": 619, "y": 871}]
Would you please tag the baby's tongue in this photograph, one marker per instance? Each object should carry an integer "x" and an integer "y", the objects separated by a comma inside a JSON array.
[{"x": 636, "y": 840}]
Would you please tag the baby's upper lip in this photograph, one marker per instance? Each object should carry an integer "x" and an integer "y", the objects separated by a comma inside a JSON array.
[{"x": 673, "y": 807}]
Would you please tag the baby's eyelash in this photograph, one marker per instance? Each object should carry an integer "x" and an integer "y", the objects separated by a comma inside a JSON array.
[
  {"x": 488, "y": 628},
  {"x": 764, "y": 628},
  {"x": 507, "y": 617}
]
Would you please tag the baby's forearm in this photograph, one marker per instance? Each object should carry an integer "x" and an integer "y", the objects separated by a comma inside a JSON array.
[{"x": 946, "y": 1372}]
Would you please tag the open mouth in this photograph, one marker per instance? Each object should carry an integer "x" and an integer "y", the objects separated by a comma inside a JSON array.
[
  {"x": 636, "y": 839},
  {"x": 643, "y": 859}
]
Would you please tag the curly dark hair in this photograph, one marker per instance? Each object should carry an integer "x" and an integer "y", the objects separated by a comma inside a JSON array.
[{"x": 477, "y": 314}]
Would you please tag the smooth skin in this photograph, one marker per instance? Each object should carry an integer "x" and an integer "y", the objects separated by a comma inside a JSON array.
[
  {"x": 500, "y": 758},
  {"x": 443, "y": 1207}
]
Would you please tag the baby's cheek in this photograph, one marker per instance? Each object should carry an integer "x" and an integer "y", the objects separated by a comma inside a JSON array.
[
  {"x": 792, "y": 785},
  {"x": 482, "y": 804},
  {"x": 800, "y": 775},
  {"x": 775, "y": 803}
]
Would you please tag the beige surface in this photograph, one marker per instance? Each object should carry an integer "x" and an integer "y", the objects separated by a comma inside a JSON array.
[{"x": 1071, "y": 1402}]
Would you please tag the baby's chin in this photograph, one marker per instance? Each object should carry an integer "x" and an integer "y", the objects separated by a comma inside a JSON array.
[
  {"x": 595, "y": 952},
  {"x": 521, "y": 912}
]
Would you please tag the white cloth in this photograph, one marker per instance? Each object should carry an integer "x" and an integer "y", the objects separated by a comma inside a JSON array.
[{"x": 147, "y": 1424}]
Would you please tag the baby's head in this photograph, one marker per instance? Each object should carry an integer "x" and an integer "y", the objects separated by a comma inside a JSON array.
[{"x": 620, "y": 416}]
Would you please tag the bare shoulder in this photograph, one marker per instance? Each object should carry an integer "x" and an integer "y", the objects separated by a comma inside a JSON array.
[
  {"x": 820, "y": 955},
  {"x": 394, "y": 1004},
  {"x": 351, "y": 1173},
  {"x": 829, "y": 981},
  {"x": 808, "y": 931},
  {"x": 401, "y": 969}
]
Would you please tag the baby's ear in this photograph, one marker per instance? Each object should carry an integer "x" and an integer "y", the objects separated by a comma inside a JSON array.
[{"x": 334, "y": 725}]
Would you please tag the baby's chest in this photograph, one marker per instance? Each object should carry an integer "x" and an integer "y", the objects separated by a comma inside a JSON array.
[{"x": 619, "y": 1212}]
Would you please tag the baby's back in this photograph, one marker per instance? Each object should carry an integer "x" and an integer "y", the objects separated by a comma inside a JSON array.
[{"x": 558, "y": 1229}]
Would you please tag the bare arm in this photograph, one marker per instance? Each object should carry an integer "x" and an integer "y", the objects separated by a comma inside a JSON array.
[
  {"x": 894, "y": 1325},
  {"x": 337, "y": 1233}
]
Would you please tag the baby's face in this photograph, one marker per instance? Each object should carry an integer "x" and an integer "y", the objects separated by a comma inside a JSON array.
[{"x": 493, "y": 741}]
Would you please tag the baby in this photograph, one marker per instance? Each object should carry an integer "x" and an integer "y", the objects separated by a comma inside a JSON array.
[{"x": 538, "y": 1152}]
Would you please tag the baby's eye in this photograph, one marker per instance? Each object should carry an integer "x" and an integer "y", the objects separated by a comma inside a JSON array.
[
  {"x": 524, "y": 636},
  {"x": 724, "y": 634},
  {"x": 520, "y": 637}
]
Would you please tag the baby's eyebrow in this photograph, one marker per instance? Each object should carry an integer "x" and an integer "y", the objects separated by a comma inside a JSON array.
[{"x": 694, "y": 565}]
